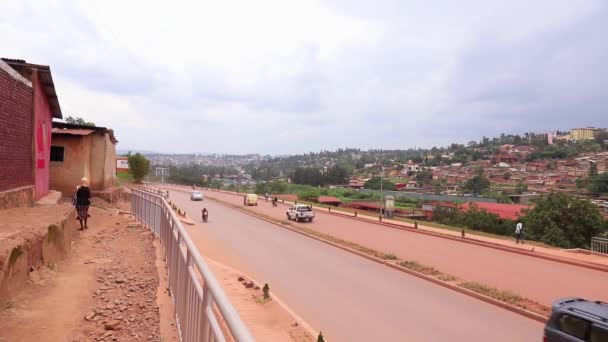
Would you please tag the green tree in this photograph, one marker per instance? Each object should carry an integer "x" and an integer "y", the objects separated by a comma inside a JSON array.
[
  {"x": 521, "y": 187},
  {"x": 337, "y": 174},
  {"x": 598, "y": 184},
  {"x": 307, "y": 175},
  {"x": 592, "y": 170},
  {"x": 310, "y": 194},
  {"x": 563, "y": 221},
  {"x": 424, "y": 177},
  {"x": 78, "y": 121},
  {"x": 374, "y": 183},
  {"x": 477, "y": 184},
  {"x": 139, "y": 166},
  {"x": 601, "y": 137},
  {"x": 320, "y": 338},
  {"x": 216, "y": 184}
]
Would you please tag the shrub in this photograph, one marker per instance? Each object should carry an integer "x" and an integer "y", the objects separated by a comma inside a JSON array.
[{"x": 139, "y": 166}]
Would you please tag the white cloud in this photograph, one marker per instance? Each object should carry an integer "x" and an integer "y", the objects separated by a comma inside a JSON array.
[{"x": 306, "y": 75}]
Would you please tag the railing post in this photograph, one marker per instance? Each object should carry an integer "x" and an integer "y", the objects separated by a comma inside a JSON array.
[{"x": 206, "y": 304}]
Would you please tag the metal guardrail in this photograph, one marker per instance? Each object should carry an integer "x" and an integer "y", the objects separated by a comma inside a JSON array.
[
  {"x": 599, "y": 245},
  {"x": 158, "y": 192},
  {"x": 197, "y": 295}
]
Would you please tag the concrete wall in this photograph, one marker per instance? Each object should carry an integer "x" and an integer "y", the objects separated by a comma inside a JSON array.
[
  {"x": 98, "y": 151},
  {"x": 103, "y": 160},
  {"x": 16, "y": 127},
  {"x": 42, "y": 142},
  {"x": 92, "y": 156},
  {"x": 109, "y": 173},
  {"x": 66, "y": 175},
  {"x": 16, "y": 197}
]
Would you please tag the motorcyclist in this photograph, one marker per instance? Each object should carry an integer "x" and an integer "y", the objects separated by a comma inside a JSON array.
[
  {"x": 275, "y": 201},
  {"x": 205, "y": 214}
]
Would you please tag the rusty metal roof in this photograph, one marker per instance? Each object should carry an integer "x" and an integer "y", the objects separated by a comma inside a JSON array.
[
  {"x": 45, "y": 78},
  {"x": 72, "y": 131}
]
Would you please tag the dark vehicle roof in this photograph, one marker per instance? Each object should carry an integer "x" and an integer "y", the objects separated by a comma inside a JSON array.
[{"x": 593, "y": 309}]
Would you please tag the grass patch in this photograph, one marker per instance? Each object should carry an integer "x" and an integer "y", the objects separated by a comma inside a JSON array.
[
  {"x": 447, "y": 277},
  {"x": 262, "y": 300},
  {"x": 502, "y": 295},
  {"x": 389, "y": 256},
  {"x": 415, "y": 266},
  {"x": 127, "y": 176}
]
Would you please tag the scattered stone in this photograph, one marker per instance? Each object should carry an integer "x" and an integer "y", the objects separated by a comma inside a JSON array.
[
  {"x": 90, "y": 315},
  {"x": 241, "y": 278},
  {"x": 112, "y": 325}
]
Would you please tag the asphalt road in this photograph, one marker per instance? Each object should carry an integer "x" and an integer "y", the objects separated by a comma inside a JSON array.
[
  {"x": 538, "y": 279},
  {"x": 346, "y": 296}
]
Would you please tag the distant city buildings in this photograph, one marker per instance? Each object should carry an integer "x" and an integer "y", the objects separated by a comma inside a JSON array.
[{"x": 585, "y": 133}]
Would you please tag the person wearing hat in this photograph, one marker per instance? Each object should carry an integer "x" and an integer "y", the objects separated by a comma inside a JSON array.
[{"x": 82, "y": 199}]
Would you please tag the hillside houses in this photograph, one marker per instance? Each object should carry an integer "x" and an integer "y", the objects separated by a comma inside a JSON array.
[{"x": 504, "y": 170}]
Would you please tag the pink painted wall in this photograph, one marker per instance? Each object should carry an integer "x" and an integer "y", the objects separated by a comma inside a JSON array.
[{"x": 42, "y": 138}]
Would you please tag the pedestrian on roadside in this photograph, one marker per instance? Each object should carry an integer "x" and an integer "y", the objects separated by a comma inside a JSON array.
[
  {"x": 82, "y": 201},
  {"x": 519, "y": 231},
  {"x": 205, "y": 214}
]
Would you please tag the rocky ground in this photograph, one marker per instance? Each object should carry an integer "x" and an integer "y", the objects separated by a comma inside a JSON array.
[
  {"x": 106, "y": 290},
  {"x": 125, "y": 297}
]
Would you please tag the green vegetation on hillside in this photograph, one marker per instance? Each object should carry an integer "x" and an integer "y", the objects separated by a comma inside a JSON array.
[{"x": 557, "y": 219}]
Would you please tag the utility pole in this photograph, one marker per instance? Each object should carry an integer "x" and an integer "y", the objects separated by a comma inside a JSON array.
[{"x": 381, "y": 193}]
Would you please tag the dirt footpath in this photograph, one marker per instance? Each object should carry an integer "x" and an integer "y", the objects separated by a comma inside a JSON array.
[{"x": 106, "y": 290}]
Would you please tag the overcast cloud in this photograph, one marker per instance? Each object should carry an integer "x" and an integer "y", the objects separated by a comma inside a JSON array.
[{"x": 296, "y": 76}]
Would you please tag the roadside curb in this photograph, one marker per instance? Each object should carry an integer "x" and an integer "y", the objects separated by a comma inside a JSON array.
[
  {"x": 490, "y": 300},
  {"x": 473, "y": 241}
]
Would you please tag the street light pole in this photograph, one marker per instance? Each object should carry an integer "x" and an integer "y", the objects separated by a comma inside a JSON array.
[{"x": 381, "y": 195}]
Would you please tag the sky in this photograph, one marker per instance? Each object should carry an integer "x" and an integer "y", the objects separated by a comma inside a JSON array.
[{"x": 284, "y": 77}]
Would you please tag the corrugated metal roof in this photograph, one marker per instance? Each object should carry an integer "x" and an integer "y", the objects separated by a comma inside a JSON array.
[
  {"x": 72, "y": 131},
  {"x": 63, "y": 126},
  {"x": 46, "y": 81}
]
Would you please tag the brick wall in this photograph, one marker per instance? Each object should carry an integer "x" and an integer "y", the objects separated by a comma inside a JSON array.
[{"x": 16, "y": 129}]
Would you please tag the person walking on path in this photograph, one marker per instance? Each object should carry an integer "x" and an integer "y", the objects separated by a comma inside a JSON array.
[
  {"x": 82, "y": 201},
  {"x": 519, "y": 231}
]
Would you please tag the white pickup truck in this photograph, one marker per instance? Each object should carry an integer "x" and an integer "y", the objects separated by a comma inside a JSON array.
[{"x": 300, "y": 213}]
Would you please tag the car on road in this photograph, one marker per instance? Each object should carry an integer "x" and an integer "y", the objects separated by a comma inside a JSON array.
[
  {"x": 300, "y": 213},
  {"x": 577, "y": 319},
  {"x": 196, "y": 196},
  {"x": 250, "y": 199}
]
